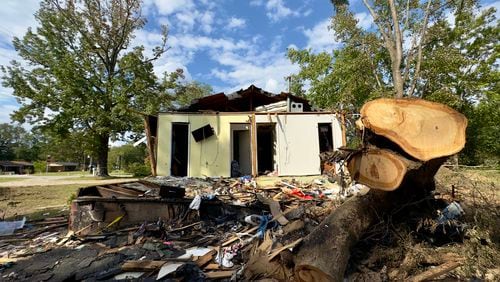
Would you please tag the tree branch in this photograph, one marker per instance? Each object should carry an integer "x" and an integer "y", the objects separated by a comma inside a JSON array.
[{"x": 419, "y": 55}]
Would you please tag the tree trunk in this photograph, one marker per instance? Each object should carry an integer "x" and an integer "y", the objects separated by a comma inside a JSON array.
[
  {"x": 102, "y": 155},
  {"x": 324, "y": 253},
  {"x": 150, "y": 141}
]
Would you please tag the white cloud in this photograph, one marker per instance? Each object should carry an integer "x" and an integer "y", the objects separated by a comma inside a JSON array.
[
  {"x": 235, "y": 23},
  {"x": 365, "y": 20},
  {"x": 15, "y": 18},
  {"x": 263, "y": 68},
  {"x": 276, "y": 9},
  {"x": 320, "y": 37},
  {"x": 166, "y": 7},
  {"x": 206, "y": 21}
]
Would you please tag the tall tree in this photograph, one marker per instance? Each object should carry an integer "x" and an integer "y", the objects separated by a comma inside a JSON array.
[
  {"x": 84, "y": 75},
  {"x": 17, "y": 144},
  {"x": 393, "y": 55},
  {"x": 186, "y": 92}
]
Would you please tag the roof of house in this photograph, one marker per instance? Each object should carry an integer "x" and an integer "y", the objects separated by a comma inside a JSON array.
[
  {"x": 15, "y": 163},
  {"x": 241, "y": 101}
]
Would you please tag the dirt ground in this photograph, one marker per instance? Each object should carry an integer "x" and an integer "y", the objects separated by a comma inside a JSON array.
[
  {"x": 48, "y": 180},
  {"x": 409, "y": 242}
]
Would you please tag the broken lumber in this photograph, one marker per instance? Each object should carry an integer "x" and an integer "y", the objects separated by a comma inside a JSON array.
[
  {"x": 219, "y": 274},
  {"x": 423, "y": 129},
  {"x": 142, "y": 265}
]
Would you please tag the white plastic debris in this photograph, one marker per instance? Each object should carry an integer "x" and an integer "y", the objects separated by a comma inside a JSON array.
[{"x": 195, "y": 204}]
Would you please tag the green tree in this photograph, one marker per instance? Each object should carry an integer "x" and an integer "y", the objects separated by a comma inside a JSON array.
[
  {"x": 412, "y": 50},
  {"x": 186, "y": 92},
  {"x": 17, "y": 144},
  {"x": 84, "y": 75},
  {"x": 124, "y": 156}
]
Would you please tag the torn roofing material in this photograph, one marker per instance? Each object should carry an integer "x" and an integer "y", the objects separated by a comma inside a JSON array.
[{"x": 242, "y": 100}]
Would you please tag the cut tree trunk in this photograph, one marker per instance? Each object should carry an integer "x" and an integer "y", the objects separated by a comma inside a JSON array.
[
  {"x": 425, "y": 130},
  {"x": 406, "y": 143},
  {"x": 324, "y": 253},
  {"x": 378, "y": 168}
]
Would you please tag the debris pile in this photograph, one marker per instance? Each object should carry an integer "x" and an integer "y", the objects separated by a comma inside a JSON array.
[{"x": 172, "y": 228}]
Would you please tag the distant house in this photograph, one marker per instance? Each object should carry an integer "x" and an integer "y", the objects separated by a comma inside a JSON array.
[
  {"x": 16, "y": 167},
  {"x": 62, "y": 166},
  {"x": 248, "y": 132}
]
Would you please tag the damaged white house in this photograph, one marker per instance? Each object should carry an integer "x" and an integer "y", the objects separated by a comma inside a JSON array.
[{"x": 249, "y": 132}]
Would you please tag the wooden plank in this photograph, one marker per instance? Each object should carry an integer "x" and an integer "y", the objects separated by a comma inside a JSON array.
[
  {"x": 142, "y": 265},
  {"x": 109, "y": 192},
  {"x": 275, "y": 209},
  {"x": 253, "y": 137},
  {"x": 206, "y": 258},
  {"x": 219, "y": 274},
  {"x": 278, "y": 251},
  {"x": 184, "y": 227},
  {"x": 235, "y": 238},
  {"x": 212, "y": 266}
]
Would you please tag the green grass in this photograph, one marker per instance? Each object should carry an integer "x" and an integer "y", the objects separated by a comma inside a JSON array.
[
  {"x": 9, "y": 179},
  {"x": 64, "y": 173},
  {"x": 20, "y": 201}
]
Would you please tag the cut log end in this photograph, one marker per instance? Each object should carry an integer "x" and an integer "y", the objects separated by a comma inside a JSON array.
[
  {"x": 378, "y": 169},
  {"x": 424, "y": 129}
]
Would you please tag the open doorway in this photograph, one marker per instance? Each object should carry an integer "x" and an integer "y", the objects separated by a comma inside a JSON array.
[
  {"x": 179, "y": 154},
  {"x": 265, "y": 148},
  {"x": 325, "y": 137},
  {"x": 241, "y": 161}
]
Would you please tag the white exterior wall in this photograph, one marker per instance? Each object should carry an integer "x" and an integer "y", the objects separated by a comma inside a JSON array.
[{"x": 298, "y": 141}]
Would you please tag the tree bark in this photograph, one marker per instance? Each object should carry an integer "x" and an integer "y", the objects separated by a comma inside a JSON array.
[
  {"x": 102, "y": 155},
  {"x": 150, "y": 141},
  {"x": 324, "y": 253}
]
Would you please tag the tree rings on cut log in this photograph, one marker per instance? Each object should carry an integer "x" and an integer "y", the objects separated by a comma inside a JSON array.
[
  {"x": 425, "y": 130},
  {"x": 378, "y": 168}
]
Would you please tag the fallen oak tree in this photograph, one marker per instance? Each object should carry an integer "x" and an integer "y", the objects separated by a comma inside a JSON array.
[{"x": 398, "y": 160}]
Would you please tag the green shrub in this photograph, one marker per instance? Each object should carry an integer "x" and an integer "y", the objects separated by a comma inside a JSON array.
[
  {"x": 139, "y": 169},
  {"x": 40, "y": 166}
]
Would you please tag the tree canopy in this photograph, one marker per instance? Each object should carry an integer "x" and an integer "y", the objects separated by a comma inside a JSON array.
[
  {"x": 445, "y": 51},
  {"x": 83, "y": 75}
]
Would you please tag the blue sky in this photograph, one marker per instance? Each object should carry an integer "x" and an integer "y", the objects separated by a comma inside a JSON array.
[{"x": 228, "y": 44}]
